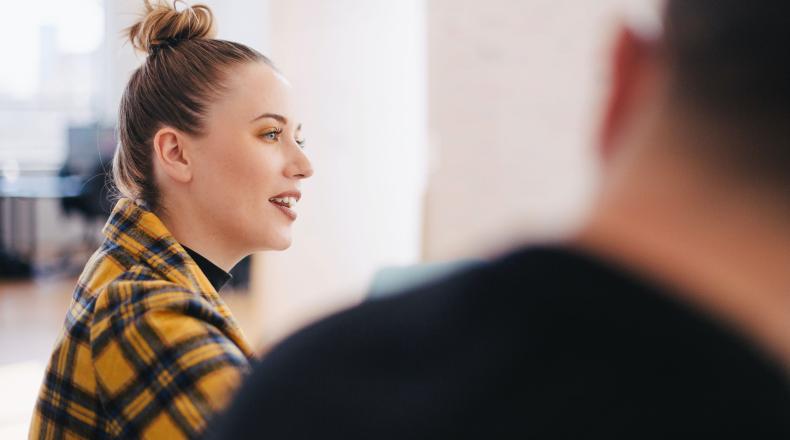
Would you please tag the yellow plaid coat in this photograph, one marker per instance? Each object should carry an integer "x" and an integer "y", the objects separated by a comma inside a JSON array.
[{"x": 148, "y": 348}]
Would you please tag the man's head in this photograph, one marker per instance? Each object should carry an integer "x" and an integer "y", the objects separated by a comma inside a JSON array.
[
  {"x": 696, "y": 139},
  {"x": 718, "y": 77}
]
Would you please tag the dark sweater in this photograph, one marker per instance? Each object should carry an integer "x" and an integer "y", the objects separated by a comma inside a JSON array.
[
  {"x": 215, "y": 275},
  {"x": 544, "y": 343}
]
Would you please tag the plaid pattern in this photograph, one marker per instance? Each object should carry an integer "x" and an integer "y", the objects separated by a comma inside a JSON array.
[{"x": 148, "y": 349}]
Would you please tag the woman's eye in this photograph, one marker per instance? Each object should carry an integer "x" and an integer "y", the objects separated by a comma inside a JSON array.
[
  {"x": 301, "y": 143},
  {"x": 272, "y": 135}
]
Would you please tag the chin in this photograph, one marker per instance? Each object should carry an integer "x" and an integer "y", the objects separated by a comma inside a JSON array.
[
  {"x": 281, "y": 247},
  {"x": 280, "y": 244}
]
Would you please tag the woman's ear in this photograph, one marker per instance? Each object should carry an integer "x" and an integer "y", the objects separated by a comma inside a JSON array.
[{"x": 170, "y": 154}]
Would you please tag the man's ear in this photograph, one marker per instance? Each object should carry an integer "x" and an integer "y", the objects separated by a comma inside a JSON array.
[
  {"x": 627, "y": 68},
  {"x": 171, "y": 156}
]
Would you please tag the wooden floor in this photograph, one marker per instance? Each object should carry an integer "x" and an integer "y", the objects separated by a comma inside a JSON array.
[{"x": 31, "y": 317}]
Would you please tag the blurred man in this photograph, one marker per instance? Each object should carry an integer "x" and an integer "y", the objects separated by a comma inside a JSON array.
[{"x": 667, "y": 314}]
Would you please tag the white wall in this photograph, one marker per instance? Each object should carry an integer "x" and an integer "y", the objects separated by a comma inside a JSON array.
[
  {"x": 514, "y": 93},
  {"x": 245, "y": 21},
  {"x": 359, "y": 75},
  {"x": 120, "y": 59}
]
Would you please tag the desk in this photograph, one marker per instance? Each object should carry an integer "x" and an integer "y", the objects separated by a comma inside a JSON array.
[{"x": 30, "y": 188}]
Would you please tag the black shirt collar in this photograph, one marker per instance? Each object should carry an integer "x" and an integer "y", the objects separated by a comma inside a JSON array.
[{"x": 216, "y": 276}]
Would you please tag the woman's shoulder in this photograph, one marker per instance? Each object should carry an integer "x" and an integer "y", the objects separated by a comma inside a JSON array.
[
  {"x": 143, "y": 290},
  {"x": 112, "y": 278},
  {"x": 133, "y": 294}
]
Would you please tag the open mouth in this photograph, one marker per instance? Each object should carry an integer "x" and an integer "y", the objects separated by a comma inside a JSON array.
[{"x": 286, "y": 203}]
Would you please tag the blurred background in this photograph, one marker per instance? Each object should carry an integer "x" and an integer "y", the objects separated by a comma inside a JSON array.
[{"x": 441, "y": 132}]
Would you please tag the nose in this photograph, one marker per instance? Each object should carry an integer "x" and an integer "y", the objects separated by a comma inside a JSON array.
[{"x": 299, "y": 167}]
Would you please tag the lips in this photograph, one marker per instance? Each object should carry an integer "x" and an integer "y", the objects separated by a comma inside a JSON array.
[{"x": 286, "y": 201}]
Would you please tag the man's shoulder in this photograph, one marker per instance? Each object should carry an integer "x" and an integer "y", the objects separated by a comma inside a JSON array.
[
  {"x": 489, "y": 300},
  {"x": 556, "y": 306},
  {"x": 539, "y": 335}
]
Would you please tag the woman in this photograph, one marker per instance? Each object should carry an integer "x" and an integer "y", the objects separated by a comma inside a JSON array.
[{"x": 209, "y": 165}]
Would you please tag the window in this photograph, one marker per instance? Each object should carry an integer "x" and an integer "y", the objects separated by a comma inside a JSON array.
[{"x": 51, "y": 78}]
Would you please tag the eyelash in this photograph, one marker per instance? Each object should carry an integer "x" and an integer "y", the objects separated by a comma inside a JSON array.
[{"x": 278, "y": 132}]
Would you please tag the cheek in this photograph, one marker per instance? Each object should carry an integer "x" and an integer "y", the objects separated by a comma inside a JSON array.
[
  {"x": 238, "y": 179},
  {"x": 222, "y": 175},
  {"x": 236, "y": 163},
  {"x": 214, "y": 187},
  {"x": 259, "y": 172},
  {"x": 247, "y": 178}
]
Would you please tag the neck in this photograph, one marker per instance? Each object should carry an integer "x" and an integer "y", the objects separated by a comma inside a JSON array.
[
  {"x": 722, "y": 245},
  {"x": 187, "y": 225}
]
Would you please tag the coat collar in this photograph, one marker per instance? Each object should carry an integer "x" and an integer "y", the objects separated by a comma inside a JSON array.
[{"x": 141, "y": 234}]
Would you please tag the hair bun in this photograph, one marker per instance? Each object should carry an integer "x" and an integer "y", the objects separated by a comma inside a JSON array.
[{"x": 164, "y": 25}]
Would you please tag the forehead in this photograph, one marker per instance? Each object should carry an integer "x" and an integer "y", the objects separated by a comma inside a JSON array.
[{"x": 252, "y": 89}]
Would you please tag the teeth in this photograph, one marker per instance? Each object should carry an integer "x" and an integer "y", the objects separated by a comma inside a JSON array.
[{"x": 288, "y": 201}]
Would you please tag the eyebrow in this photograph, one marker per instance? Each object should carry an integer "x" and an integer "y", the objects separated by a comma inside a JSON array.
[{"x": 277, "y": 117}]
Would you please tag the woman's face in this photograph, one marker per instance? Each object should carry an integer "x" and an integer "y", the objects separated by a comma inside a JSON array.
[{"x": 249, "y": 162}]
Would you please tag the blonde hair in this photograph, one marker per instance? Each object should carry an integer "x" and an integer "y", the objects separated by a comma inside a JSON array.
[{"x": 182, "y": 74}]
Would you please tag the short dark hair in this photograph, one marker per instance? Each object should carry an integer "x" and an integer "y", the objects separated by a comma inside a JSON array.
[{"x": 731, "y": 60}]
